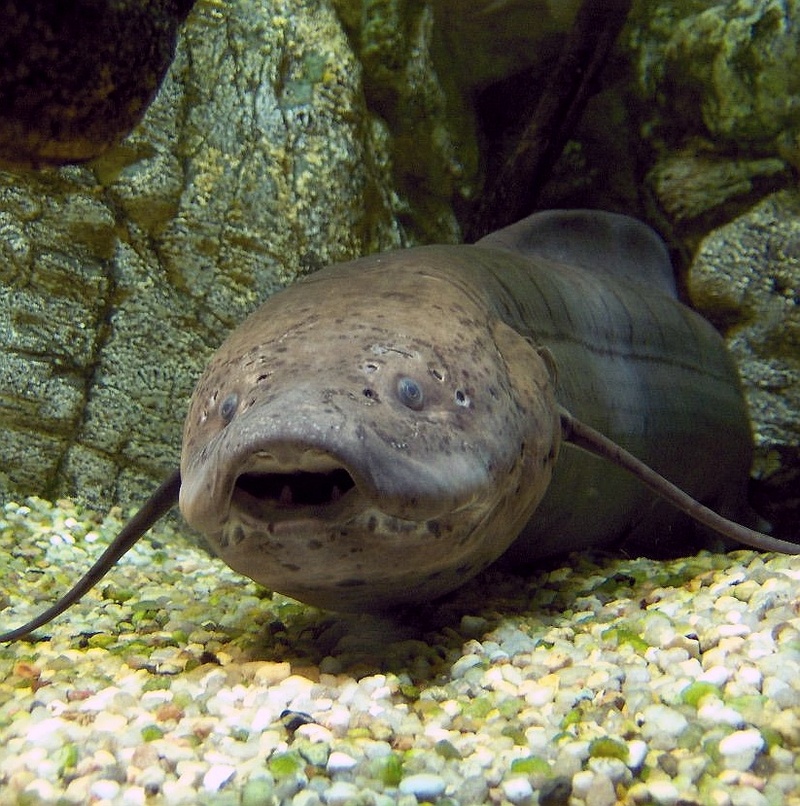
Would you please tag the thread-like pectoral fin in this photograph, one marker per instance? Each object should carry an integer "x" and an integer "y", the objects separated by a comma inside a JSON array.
[
  {"x": 583, "y": 436},
  {"x": 162, "y": 500}
]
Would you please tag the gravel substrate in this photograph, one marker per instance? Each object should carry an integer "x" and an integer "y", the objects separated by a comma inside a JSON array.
[{"x": 609, "y": 681}]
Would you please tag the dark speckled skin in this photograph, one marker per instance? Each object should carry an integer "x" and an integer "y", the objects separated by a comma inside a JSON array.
[{"x": 313, "y": 466}]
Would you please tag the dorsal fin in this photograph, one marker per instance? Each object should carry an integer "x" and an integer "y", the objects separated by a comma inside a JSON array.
[{"x": 600, "y": 242}]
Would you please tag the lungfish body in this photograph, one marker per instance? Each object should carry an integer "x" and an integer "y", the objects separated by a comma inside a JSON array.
[{"x": 381, "y": 431}]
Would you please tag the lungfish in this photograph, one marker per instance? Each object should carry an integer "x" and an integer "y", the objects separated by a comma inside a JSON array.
[{"x": 383, "y": 430}]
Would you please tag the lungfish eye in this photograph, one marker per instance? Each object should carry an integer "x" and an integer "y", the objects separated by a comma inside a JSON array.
[
  {"x": 410, "y": 393},
  {"x": 228, "y": 407}
]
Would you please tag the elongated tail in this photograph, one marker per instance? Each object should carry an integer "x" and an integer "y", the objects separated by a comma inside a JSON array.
[
  {"x": 583, "y": 436},
  {"x": 159, "y": 503}
]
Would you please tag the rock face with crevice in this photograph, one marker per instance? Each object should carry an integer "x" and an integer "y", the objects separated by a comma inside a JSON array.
[{"x": 118, "y": 279}]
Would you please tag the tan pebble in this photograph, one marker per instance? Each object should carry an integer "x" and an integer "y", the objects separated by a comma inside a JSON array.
[
  {"x": 268, "y": 674},
  {"x": 144, "y": 756},
  {"x": 751, "y": 780},
  {"x": 27, "y": 671},
  {"x": 309, "y": 672},
  {"x": 168, "y": 711}
]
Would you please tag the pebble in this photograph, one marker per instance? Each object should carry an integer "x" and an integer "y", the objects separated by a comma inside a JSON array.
[
  {"x": 340, "y": 793},
  {"x": 505, "y": 704},
  {"x": 217, "y": 776},
  {"x": 663, "y": 793},
  {"x": 662, "y": 725},
  {"x": 518, "y": 790},
  {"x": 340, "y": 762},
  {"x": 423, "y": 786},
  {"x": 740, "y": 748},
  {"x": 104, "y": 790}
]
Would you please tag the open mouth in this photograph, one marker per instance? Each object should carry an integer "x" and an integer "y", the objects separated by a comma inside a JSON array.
[{"x": 296, "y": 489}]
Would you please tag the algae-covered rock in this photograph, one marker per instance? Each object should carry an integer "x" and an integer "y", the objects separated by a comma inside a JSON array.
[
  {"x": 256, "y": 162},
  {"x": 424, "y": 64},
  {"x": 716, "y": 90},
  {"x": 76, "y": 77},
  {"x": 728, "y": 70},
  {"x": 746, "y": 278}
]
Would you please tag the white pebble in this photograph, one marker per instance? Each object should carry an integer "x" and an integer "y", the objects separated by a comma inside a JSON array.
[
  {"x": 340, "y": 762},
  {"x": 662, "y": 725},
  {"x": 780, "y": 693},
  {"x": 637, "y": 752},
  {"x": 663, "y": 793},
  {"x": 518, "y": 790},
  {"x": 424, "y": 786},
  {"x": 464, "y": 664},
  {"x": 104, "y": 790},
  {"x": 133, "y": 796},
  {"x": 217, "y": 777},
  {"x": 741, "y": 747},
  {"x": 747, "y": 796},
  {"x": 714, "y": 711},
  {"x": 43, "y": 790},
  {"x": 581, "y": 783},
  {"x": 340, "y": 793},
  {"x": 601, "y": 791},
  {"x": 716, "y": 675}
]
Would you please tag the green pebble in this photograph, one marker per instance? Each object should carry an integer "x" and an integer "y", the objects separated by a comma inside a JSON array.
[
  {"x": 530, "y": 765},
  {"x": 510, "y": 708},
  {"x": 516, "y": 733},
  {"x": 157, "y": 684},
  {"x": 771, "y": 737},
  {"x": 284, "y": 764},
  {"x": 258, "y": 792},
  {"x": 446, "y": 749},
  {"x": 101, "y": 640},
  {"x": 117, "y": 594},
  {"x": 622, "y": 636},
  {"x": 392, "y": 769},
  {"x": 69, "y": 757},
  {"x": 695, "y": 692},
  {"x": 478, "y": 708},
  {"x": 152, "y": 732},
  {"x": 606, "y": 747},
  {"x": 315, "y": 753}
]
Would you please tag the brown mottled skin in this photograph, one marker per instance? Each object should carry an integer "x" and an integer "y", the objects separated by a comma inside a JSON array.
[{"x": 442, "y": 490}]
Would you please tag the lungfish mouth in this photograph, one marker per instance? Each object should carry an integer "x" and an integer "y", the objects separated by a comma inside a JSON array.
[{"x": 295, "y": 489}]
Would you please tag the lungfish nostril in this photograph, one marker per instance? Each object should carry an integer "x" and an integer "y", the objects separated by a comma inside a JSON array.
[{"x": 300, "y": 488}]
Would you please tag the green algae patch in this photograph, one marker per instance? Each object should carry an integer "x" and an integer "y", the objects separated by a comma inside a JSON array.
[{"x": 621, "y": 636}]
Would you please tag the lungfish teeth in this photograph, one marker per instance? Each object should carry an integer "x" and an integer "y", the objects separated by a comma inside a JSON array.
[
  {"x": 336, "y": 494},
  {"x": 286, "y": 498}
]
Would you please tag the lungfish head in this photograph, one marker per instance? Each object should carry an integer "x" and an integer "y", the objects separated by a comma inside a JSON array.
[{"x": 369, "y": 437}]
